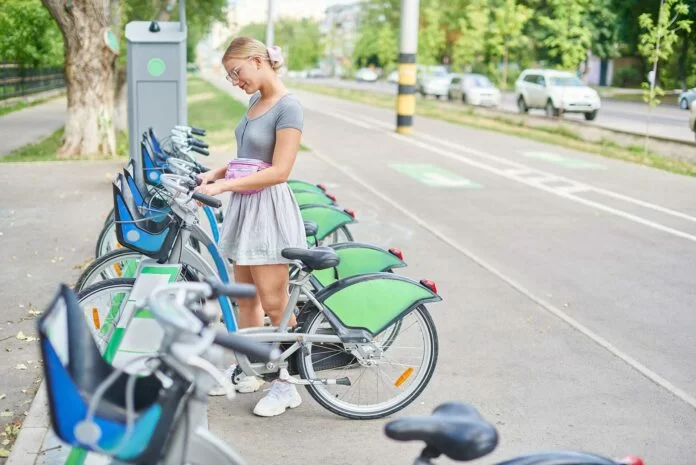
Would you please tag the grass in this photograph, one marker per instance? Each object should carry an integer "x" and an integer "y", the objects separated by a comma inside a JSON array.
[
  {"x": 556, "y": 135},
  {"x": 4, "y": 110}
]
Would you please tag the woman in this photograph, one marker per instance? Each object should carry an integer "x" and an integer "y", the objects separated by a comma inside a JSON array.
[{"x": 263, "y": 217}]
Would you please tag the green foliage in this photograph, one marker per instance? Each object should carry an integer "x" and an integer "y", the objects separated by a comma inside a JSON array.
[
  {"x": 28, "y": 34},
  {"x": 471, "y": 27},
  {"x": 431, "y": 36},
  {"x": 567, "y": 35},
  {"x": 506, "y": 34},
  {"x": 300, "y": 40},
  {"x": 604, "y": 24}
]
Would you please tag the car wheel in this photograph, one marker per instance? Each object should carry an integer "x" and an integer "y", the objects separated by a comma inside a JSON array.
[
  {"x": 591, "y": 115},
  {"x": 550, "y": 110},
  {"x": 522, "y": 105},
  {"x": 683, "y": 104}
]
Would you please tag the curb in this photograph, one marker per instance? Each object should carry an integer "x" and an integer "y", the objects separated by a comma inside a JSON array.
[{"x": 27, "y": 447}]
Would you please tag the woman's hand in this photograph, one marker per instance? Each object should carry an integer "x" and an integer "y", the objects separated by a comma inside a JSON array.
[
  {"x": 207, "y": 177},
  {"x": 210, "y": 189}
]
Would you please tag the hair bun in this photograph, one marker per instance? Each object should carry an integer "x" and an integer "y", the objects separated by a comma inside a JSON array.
[{"x": 275, "y": 56}]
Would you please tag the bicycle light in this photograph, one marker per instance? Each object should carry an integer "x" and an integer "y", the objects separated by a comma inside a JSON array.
[
  {"x": 322, "y": 187},
  {"x": 331, "y": 196},
  {"x": 433, "y": 287},
  {"x": 397, "y": 253},
  {"x": 631, "y": 460},
  {"x": 350, "y": 212}
]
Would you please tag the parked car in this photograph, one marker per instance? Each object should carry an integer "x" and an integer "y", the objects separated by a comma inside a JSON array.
[
  {"x": 556, "y": 92},
  {"x": 686, "y": 98},
  {"x": 393, "y": 77},
  {"x": 366, "y": 75},
  {"x": 316, "y": 73},
  {"x": 435, "y": 83},
  {"x": 474, "y": 89},
  {"x": 692, "y": 120}
]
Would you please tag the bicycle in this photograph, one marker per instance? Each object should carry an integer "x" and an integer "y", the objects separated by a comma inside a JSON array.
[{"x": 158, "y": 415}]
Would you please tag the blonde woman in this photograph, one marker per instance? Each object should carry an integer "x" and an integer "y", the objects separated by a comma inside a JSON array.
[{"x": 263, "y": 217}]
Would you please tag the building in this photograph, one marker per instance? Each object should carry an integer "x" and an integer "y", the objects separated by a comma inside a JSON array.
[{"x": 340, "y": 30}]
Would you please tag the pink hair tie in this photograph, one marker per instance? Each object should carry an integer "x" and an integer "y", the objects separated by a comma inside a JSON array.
[{"x": 275, "y": 55}]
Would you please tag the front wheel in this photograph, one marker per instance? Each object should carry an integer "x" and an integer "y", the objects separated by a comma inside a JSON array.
[
  {"x": 591, "y": 115},
  {"x": 683, "y": 104},
  {"x": 551, "y": 111},
  {"x": 341, "y": 234},
  {"x": 522, "y": 105},
  {"x": 382, "y": 381}
]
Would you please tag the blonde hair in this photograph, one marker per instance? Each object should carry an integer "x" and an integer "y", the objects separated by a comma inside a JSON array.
[{"x": 245, "y": 47}]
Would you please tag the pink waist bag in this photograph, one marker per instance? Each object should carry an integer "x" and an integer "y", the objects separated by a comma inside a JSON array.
[{"x": 242, "y": 167}]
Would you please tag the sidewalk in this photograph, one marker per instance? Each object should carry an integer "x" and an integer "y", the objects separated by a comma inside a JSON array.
[{"x": 31, "y": 124}]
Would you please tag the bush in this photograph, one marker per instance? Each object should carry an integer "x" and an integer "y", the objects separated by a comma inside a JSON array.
[{"x": 627, "y": 77}]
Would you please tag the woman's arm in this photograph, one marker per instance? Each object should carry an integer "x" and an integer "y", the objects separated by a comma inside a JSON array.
[
  {"x": 284, "y": 156},
  {"x": 213, "y": 175}
]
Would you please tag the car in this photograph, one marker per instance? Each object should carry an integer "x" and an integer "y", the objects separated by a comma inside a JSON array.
[
  {"x": 692, "y": 120},
  {"x": 686, "y": 98},
  {"x": 365, "y": 75},
  {"x": 393, "y": 77},
  {"x": 556, "y": 92},
  {"x": 474, "y": 89},
  {"x": 435, "y": 83}
]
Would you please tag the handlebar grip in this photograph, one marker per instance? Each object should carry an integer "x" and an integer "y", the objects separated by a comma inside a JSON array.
[
  {"x": 201, "y": 168},
  {"x": 247, "y": 347},
  {"x": 208, "y": 200},
  {"x": 200, "y": 150},
  {"x": 198, "y": 143},
  {"x": 197, "y": 131}
]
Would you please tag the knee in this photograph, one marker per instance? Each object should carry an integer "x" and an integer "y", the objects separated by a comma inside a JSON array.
[
  {"x": 247, "y": 305},
  {"x": 273, "y": 302}
]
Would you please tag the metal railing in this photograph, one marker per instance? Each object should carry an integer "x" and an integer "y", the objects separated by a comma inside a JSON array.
[{"x": 16, "y": 81}]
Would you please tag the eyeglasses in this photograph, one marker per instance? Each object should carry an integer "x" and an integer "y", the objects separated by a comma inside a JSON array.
[{"x": 233, "y": 75}]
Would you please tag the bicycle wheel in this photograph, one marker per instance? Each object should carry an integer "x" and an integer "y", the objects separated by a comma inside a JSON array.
[
  {"x": 107, "y": 240},
  {"x": 102, "y": 305},
  {"x": 341, "y": 234},
  {"x": 380, "y": 384},
  {"x": 121, "y": 263}
]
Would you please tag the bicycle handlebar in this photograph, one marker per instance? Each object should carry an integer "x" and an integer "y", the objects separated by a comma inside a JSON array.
[
  {"x": 197, "y": 149},
  {"x": 206, "y": 199},
  {"x": 198, "y": 143}
]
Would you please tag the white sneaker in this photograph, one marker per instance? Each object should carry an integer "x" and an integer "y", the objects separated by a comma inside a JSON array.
[
  {"x": 281, "y": 396},
  {"x": 246, "y": 385}
]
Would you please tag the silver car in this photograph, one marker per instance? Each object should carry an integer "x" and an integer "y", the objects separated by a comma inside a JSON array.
[{"x": 686, "y": 98}]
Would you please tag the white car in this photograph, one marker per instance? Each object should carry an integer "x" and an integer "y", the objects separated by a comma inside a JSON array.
[
  {"x": 556, "y": 92},
  {"x": 435, "y": 83},
  {"x": 365, "y": 75},
  {"x": 474, "y": 89}
]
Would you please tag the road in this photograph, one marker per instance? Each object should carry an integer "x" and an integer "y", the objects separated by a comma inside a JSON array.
[
  {"x": 666, "y": 121},
  {"x": 567, "y": 282},
  {"x": 32, "y": 124}
]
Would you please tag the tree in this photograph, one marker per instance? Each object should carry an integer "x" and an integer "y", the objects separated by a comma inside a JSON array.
[
  {"x": 300, "y": 40},
  {"x": 507, "y": 32},
  {"x": 30, "y": 37},
  {"x": 472, "y": 26},
  {"x": 657, "y": 42},
  {"x": 567, "y": 35},
  {"x": 604, "y": 24},
  {"x": 431, "y": 36}
]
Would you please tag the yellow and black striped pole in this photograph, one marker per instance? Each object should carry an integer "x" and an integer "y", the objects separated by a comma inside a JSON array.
[{"x": 406, "y": 98}]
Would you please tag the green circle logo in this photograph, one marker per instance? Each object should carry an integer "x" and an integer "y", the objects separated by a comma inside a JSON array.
[{"x": 156, "y": 67}]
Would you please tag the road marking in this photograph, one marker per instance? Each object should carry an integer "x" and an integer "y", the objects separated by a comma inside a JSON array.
[
  {"x": 568, "y": 162},
  {"x": 576, "y": 325},
  {"x": 564, "y": 192},
  {"x": 433, "y": 176}
]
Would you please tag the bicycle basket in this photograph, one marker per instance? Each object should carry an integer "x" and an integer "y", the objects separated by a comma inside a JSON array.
[
  {"x": 154, "y": 207},
  {"x": 151, "y": 169},
  {"x": 74, "y": 369},
  {"x": 139, "y": 233}
]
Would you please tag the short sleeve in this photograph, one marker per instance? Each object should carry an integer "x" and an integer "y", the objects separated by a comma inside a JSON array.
[{"x": 290, "y": 115}]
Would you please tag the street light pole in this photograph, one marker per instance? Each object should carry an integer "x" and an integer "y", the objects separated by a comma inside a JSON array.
[
  {"x": 269, "y": 26},
  {"x": 406, "y": 99}
]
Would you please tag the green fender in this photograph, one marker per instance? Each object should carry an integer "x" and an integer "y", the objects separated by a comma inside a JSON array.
[
  {"x": 327, "y": 217},
  {"x": 356, "y": 258},
  {"x": 311, "y": 197},
  {"x": 297, "y": 185},
  {"x": 372, "y": 302}
]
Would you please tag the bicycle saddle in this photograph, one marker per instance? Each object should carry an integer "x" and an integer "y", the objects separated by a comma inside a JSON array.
[
  {"x": 454, "y": 429},
  {"x": 316, "y": 258},
  {"x": 310, "y": 228}
]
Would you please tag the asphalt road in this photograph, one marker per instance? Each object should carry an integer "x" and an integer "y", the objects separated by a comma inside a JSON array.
[
  {"x": 665, "y": 120},
  {"x": 567, "y": 282}
]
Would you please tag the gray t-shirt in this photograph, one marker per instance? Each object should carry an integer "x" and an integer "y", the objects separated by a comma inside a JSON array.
[{"x": 256, "y": 137}]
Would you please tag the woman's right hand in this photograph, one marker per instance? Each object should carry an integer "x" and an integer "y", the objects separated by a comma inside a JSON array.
[{"x": 207, "y": 177}]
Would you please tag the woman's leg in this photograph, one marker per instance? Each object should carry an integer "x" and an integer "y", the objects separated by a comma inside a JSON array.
[
  {"x": 250, "y": 311},
  {"x": 271, "y": 283}
]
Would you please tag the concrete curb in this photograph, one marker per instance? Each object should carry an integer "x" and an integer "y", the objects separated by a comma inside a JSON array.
[{"x": 27, "y": 447}]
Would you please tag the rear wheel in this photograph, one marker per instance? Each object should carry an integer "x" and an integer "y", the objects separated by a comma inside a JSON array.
[
  {"x": 380, "y": 384},
  {"x": 683, "y": 104},
  {"x": 522, "y": 105},
  {"x": 341, "y": 234},
  {"x": 591, "y": 115},
  {"x": 551, "y": 111}
]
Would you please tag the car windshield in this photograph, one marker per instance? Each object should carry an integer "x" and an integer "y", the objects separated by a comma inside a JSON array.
[
  {"x": 566, "y": 81},
  {"x": 479, "y": 81}
]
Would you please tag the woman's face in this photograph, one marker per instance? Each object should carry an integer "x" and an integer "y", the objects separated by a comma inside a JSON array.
[{"x": 244, "y": 73}]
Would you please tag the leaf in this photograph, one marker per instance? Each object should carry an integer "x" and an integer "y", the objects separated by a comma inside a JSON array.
[
  {"x": 23, "y": 337},
  {"x": 4, "y": 453},
  {"x": 21, "y": 366},
  {"x": 6, "y": 414},
  {"x": 5, "y": 442},
  {"x": 2, "y": 396}
]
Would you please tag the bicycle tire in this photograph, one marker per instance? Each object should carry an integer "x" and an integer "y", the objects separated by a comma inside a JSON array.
[
  {"x": 104, "y": 286},
  {"x": 331, "y": 404}
]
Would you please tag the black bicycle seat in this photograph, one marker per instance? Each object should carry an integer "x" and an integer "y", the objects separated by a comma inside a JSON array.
[
  {"x": 317, "y": 258},
  {"x": 310, "y": 228},
  {"x": 559, "y": 458},
  {"x": 454, "y": 429}
]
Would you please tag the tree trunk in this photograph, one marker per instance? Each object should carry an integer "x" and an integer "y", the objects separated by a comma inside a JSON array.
[
  {"x": 682, "y": 59},
  {"x": 89, "y": 77},
  {"x": 120, "y": 100}
]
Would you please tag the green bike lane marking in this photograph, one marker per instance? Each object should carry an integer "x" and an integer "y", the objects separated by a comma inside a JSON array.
[
  {"x": 433, "y": 176},
  {"x": 566, "y": 161}
]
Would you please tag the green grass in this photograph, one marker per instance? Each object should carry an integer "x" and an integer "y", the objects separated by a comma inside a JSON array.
[
  {"x": 556, "y": 135},
  {"x": 6, "y": 109}
]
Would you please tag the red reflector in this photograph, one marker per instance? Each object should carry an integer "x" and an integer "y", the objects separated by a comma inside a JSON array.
[
  {"x": 331, "y": 196},
  {"x": 322, "y": 187},
  {"x": 396, "y": 252},
  {"x": 429, "y": 284},
  {"x": 350, "y": 212},
  {"x": 631, "y": 460}
]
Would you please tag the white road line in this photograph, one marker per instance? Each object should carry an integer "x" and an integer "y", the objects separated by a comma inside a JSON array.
[
  {"x": 506, "y": 173},
  {"x": 522, "y": 166},
  {"x": 651, "y": 375}
]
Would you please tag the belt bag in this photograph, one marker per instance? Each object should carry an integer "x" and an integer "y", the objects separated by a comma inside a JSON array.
[{"x": 242, "y": 167}]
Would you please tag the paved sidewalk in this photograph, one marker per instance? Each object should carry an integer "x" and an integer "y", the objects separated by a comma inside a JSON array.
[{"x": 31, "y": 124}]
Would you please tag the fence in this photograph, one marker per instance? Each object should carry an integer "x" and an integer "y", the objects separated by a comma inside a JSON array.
[{"x": 16, "y": 81}]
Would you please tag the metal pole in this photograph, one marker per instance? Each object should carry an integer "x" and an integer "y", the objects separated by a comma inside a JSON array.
[
  {"x": 269, "y": 25},
  {"x": 406, "y": 98},
  {"x": 182, "y": 15}
]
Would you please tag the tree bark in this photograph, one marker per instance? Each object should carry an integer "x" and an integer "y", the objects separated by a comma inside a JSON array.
[
  {"x": 89, "y": 77},
  {"x": 682, "y": 59}
]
